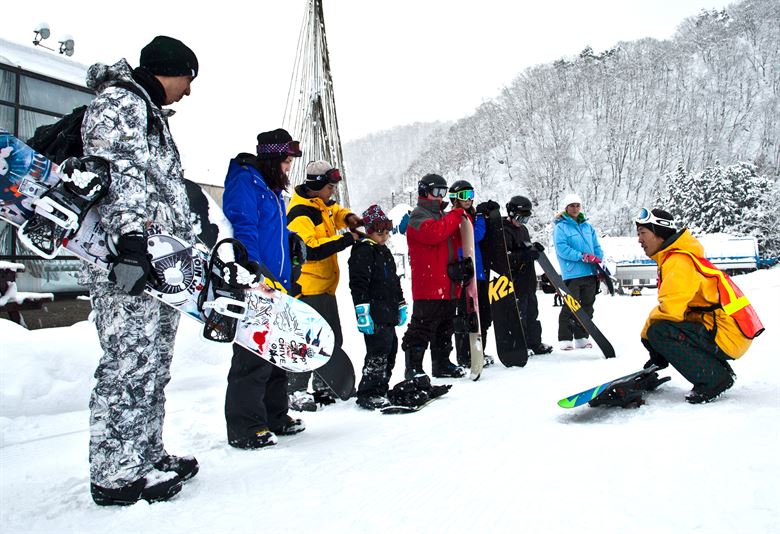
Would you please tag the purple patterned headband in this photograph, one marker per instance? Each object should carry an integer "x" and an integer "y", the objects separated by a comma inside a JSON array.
[{"x": 289, "y": 148}]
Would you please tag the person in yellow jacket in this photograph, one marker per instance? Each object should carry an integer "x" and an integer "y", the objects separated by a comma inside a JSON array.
[
  {"x": 689, "y": 328},
  {"x": 317, "y": 220}
]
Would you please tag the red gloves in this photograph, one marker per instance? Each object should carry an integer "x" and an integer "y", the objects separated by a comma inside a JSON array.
[{"x": 590, "y": 258}]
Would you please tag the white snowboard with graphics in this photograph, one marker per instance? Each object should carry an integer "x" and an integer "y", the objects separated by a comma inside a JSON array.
[{"x": 278, "y": 328}]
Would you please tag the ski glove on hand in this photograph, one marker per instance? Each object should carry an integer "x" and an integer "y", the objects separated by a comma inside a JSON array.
[
  {"x": 297, "y": 249},
  {"x": 590, "y": 258},
  {"x": 531, "y": 254},
  {"x": 364, "y": 321},
  {"x": 655, "y": 357},
  {"x": 353, "y": 221},
  {"x": 131, "y": 267},
  {"x": 538, "y": 246},
  {"x": 242, "y": 276},
  {"x": 402, "y": 311}
]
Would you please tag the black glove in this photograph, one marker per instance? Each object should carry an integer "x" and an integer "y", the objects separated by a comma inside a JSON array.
[
  {"x": 486, "y": 207},
  {"x": 353, "y": 221},
  {"x": 131, "y": 267},
  {"x": 538, "y": 246},
  {"x": 655, "y": 357},
  {"x": 297, "y": 250},
  {"x": 242, "y": 276}
]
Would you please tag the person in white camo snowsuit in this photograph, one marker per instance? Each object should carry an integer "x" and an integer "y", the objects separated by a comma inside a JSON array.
[{"x": 128, "y": 461}]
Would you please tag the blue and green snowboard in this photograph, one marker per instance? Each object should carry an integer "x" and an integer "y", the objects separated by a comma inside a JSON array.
[{"x": 625, "y": 391}]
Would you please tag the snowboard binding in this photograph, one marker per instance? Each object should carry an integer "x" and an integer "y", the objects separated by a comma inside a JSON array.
[
  {"x": 60, "y": 211},
  {"x": 221, "y": 302},
  {"x": 628, "y": 394}
]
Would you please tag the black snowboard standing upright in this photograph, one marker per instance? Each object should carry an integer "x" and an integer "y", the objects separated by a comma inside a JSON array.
[
  {"x": 574, "y": 305},
  {"x": 507, "y": 325}
]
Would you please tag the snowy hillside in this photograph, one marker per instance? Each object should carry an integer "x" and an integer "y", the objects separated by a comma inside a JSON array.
[{"x": 497, "y": 455}]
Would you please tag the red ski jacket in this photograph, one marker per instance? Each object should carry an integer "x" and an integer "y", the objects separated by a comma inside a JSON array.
[{"x": 433, "y": 239}]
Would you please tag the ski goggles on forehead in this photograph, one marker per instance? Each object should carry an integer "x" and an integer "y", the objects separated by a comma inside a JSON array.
[
  {"x": 290, "y": 148},
  {"x": 646, "y": 217},
  {"x": 439, "y": 191},
  {"x": 522, "y": 218},
  {"x": 333, "y": 176},
  {"x": 465, "y": 194}
]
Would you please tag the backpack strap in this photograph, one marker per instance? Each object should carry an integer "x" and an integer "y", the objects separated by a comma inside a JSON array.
[{"x": 133, "y": 88}]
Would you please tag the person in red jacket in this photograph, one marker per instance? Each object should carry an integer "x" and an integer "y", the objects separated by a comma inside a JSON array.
[{"x": 433, "y": 238}]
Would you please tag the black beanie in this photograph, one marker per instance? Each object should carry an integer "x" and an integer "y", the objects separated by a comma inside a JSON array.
[
  {"x": 664, "y": 232},
  {"x": 166, "y": 56},
  {"x": 276, "y": 144}
]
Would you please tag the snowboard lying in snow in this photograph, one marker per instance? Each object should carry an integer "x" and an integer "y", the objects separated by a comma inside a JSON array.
[
  {"x": 413, "y": 395},
  {"x": 54, "y": 211},
  {"x": 626, "y": 391}
]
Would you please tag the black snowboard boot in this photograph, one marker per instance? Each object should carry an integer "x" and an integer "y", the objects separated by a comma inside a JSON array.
[
  {"x": 442, "y": 367},
  {"x": 372, "y": 402},
  {"x": 541, "y": 348},
  {"x": 701, "y": 394},
  {"x": 156, "y": 486},
  {"x": 261, "y": 438},
  {"x": 414, "y": 362},
  {"x": 184, "y": 466},
  {"x": 289, "y": 427},
  {"x": 324, "y": 397}
]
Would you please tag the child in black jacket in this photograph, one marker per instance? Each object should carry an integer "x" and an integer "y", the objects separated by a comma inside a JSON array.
[{"x": 379, "y": 305}]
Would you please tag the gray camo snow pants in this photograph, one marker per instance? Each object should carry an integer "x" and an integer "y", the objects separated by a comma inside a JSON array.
[{"x": 127, "y": 406}]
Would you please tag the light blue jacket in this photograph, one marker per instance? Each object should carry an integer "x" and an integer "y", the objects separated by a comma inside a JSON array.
[{"x": 573, "y": 239}]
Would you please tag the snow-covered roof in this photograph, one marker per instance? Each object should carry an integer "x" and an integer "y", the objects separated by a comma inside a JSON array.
[{"x": 40, "y": 61}]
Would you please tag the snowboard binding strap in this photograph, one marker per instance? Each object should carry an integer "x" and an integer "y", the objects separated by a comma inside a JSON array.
[
  {"x": 60, "y": 211},
  {"x": 228, "y": 307},
  {"x": 57, "y": 213},
  {"x": 222, "y": 304}
]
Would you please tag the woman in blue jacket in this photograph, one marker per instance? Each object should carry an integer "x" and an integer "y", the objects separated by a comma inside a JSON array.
[
  {"x": 256, "y": 397},
  {"x": 461, "y": 195},
  {"x": 577, "y": 248}
]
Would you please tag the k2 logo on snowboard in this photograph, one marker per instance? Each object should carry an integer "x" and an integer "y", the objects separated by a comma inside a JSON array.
[
  {"x": 500, "y": 288},
  {"x": 572, "y": 303}
]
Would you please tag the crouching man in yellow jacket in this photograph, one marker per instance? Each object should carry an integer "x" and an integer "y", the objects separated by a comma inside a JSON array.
[{"x": 702, "y": 320}]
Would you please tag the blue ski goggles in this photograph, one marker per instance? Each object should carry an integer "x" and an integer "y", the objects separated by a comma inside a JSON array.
[
  {"x": 646, "y": 217},
  {"x": 463, "y": 194}
]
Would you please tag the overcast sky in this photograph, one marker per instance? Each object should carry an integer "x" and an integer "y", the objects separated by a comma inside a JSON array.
[{"x": 393, "y": 63}]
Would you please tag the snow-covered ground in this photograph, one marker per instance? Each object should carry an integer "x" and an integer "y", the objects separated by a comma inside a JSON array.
[{"x": 497, "y": 455}]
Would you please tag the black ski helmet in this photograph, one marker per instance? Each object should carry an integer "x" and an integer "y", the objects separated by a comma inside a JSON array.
[
  {"x": 428, "y": 182},
  {"x": 460, "y": 185},
  {"x": 518, "y": 205}
]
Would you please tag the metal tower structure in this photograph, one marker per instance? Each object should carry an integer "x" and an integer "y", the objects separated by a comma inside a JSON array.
[{"x": 310, "y": 111}]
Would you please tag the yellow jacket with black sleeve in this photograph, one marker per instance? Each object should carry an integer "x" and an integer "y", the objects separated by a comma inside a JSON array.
[
  {"x": 317, "y": 223},
  {"x": 684, "y": 294}
]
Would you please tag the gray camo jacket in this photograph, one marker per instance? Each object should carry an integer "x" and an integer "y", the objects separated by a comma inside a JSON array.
[{"x": 146, "y": 174}]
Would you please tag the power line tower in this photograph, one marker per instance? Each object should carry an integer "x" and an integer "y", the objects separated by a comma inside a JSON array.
[{"x": 310, "y": 111}]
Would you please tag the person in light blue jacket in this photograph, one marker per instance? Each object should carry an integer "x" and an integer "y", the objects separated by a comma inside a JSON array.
[{"x": 578, "y": 250}]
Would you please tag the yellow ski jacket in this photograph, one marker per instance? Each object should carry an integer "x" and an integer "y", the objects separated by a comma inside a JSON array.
[
  {"x": 317, "y": 223},
  {"x": 682, "y": 289}
]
